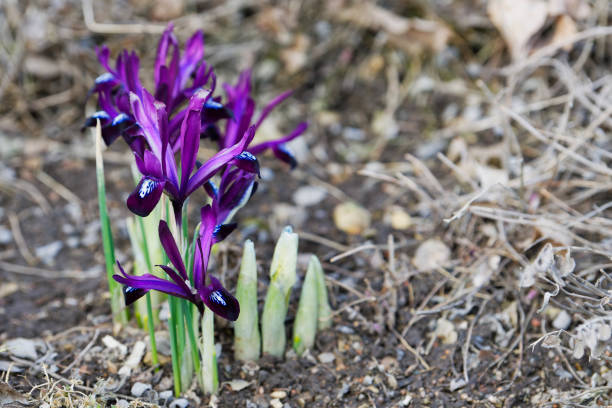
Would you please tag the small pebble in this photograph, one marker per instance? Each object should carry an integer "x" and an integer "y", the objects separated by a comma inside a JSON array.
[
  {"x": 166, "y": 395},
  {"x": 140, "y": 388},
  {"x": 307, "y": 196},
  {"x": 274, "y": 403},
  {"x": 6, "y": 237},
  {"x": 351, "y": 218},
  {"x": 279, "y": 394},
  {"x": 179, "y": 403},
  {"x": 326, "y": 358},
  {"x": 111, "y": 343},
  {"x": 562, "y": 321},
  {"x": 47, "y": 253},
  {"x": 122, "y": 404}
]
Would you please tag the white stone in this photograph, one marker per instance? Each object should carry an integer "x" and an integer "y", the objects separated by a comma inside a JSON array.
[
  {"x": 326, "y": 358},
  {"x": 179, "y": 403},
  {"x": 138, "y": 389},
  {"x": 307, "y": 196},
  {"x": 562, "y": 321}
]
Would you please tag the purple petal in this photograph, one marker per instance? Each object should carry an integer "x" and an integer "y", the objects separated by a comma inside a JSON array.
[
  {"x": 103, "y": 56},
  {"x": 149, "y": 166},
  {"x": 165, "y": 42},
  {"x": 146, "y": 196},
  {"x": 299, "y": 129},
  {"x": 281, "y": 152},
  {"x": 205, "y": 242},
  {"x": 216, "y": 162},
  {"x": 194, "y": 52},
  {"x": 234, "y": 197},
  {"x": 190, "y": 135},
  {"x": 171, "y": 249},
  {"x": 145, "y": 112},
  {"x": 270, "y": 106},
  {"x": 220, "y": 301},
  {"x": 151, "y": 282}
]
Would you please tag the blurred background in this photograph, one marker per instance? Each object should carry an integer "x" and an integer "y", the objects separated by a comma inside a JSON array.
[{"x": 403, "y": 103}]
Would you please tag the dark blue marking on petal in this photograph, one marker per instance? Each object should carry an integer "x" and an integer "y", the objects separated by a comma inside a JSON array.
[
  {"x": 146, "y": 188},
  {"x": 222, "y": 303},
  {"x": 285, "y": 155},
  {"x": 104, "y": 78},
  {"x": 131, "y": 294},
  {"x": 222, "y": 231},
  {"x": 214, "y": 111},
  {"x": 247, "y": 162},
  {"x": 146, "y": 196},
  {"x": 119, "y": 119},
  {"x": 93, "y": 119},
  {"x": 211, "y": 189}
]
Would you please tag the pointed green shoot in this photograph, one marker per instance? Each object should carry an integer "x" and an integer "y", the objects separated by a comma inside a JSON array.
[
  {"x": 247, "y": 340},
  {"x": 209, "y": 376},
  {"x": 324, "y": 312},
  {"x": 305, "y": 324},
  {"x": 282, "y": 279},
  {"x": 120, "y": 313}
]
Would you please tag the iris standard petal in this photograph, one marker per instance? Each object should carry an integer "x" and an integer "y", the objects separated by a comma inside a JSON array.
[
  {"x": 220, "y": 301},
  {"x": 190, "y": 134},
  {"x": 171, "y": 249},
  {"x": 146, "y": 196}
]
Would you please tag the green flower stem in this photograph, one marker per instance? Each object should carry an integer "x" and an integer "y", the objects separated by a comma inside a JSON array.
[
  {"x": 305, "y": 324},
  {"x": 150, "y": 315},
  {"x": 176, "y": 370},
  {"x": 151, "y": 325},
  {"x": 120, "y": 313},
  {"x": 282, "y": 279},
  {"x": 247, "y": 340},
  {"x": 209, "y": 374},
  {"x": 193, "y": 345}
]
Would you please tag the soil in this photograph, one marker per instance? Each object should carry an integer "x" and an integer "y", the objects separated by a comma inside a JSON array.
[{"x": 382, "y": 349}]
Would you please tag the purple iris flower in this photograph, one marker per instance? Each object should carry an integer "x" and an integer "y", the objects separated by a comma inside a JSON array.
[
  {"x": 158, "y": 165},
  {"x": 242, "y": 106},
  {"x": 177, "y": 78},
  {"x": 203, "y": 290}
]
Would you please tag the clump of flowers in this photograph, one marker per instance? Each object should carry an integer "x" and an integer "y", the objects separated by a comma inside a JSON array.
[{"x": 164, "y": 129}]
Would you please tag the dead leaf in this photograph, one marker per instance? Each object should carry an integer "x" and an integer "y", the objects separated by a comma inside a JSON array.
[
  {"x": 165, "y": 10},
  {"x": 521, "y": 22},
  {"x": 413, "y": 35},
  {"x": 8, "y": 395},
  {"x": 565, "y": 28},
  {"x": 518, "y": 21}
]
